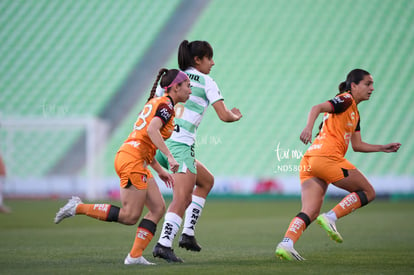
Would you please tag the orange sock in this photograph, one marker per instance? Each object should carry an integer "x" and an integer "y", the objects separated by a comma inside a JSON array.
[
  {"x": 145, "y": 232},
  {"x": 103, "y": 212},
  {"x": 142, "y": 239},
  {"x": 347, "y": 205},
  {"x": 297, "y": 226}
]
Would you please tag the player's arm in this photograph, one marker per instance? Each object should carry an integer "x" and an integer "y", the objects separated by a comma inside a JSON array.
[
  {"x": 225, "y": 114},
  {"x": 306, "y": 135},
  {"x": 154, "y": 134},
  {"x": 164, "y": 175},
  {"x": 359, "y": 146}
]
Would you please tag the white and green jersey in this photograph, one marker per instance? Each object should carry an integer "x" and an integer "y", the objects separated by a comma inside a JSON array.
[{"x": 204, "y": 91}]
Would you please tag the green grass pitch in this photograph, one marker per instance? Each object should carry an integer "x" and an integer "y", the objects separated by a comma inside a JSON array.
[{"x": 237, "y": 236}]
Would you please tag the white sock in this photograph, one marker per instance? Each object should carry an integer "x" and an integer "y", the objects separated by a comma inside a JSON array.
[
  {"x": 331, "y": 215},
  {"x": 192, "y": 214},
  {"x": 170, "y": 228},
  {"x": 288, "y": 241}
]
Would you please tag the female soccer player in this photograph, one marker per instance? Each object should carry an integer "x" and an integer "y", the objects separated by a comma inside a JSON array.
[
  {"x": 138, "y": 187},
  {"x": 324, "y": 162},
  {"x": 196, "y": 59}
]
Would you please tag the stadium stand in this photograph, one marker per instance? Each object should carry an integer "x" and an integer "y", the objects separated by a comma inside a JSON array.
[
  {"x": 67, "y": 59},
  {"x": 274, "y": 60}
]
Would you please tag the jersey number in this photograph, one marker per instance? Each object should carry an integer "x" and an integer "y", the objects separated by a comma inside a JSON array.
[{"x": 141, "y": 120}]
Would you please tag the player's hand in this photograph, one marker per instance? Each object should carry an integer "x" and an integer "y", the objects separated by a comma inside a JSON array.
[
  {"x": 173, "y": 164},
  {"x": 306, "y": 135},
  {"x": 391, "y": 147},
  {"x": 237, "y": 113},
  {"x": 166, "y": 178}
]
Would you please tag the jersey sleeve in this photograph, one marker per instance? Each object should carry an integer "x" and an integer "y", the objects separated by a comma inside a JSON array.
[
  {"x": 165, "y": 112},
  {"x": 212, "y": 91},
  {"x": 340, "y": 103},
  {"x": 358, "y": 127}
]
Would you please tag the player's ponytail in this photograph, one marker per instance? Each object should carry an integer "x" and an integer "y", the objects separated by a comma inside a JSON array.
[
  {"x": 154, "y": 86},
  {"x": 185, "y": 59},
  {"x": 342, "y": 87},
  {"x": 354, "y": 76},
  {"x": 187, "y": 51}
]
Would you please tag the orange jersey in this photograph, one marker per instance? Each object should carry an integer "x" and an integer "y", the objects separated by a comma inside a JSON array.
[
  {"x": 337, "y": 129},
  {"x": 138, "y": 142}
]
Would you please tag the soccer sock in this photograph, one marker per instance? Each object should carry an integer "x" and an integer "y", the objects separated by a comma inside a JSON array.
[
  {"x": 145, "y": 232},
  {"x": 351, "y": 202},
  {"x": 103, "y": 212},
  {"x": 297, "y": 226},
  {"x": 192, "y": 214},
  {"x": 170, "y": 228}
]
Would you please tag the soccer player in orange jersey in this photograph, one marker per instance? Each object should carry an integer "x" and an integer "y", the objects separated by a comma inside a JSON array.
[
  {"x": 154, "y": 124},
  {"x": 324, "y": 162}
]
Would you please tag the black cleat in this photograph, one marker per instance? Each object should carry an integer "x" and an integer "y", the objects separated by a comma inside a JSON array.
[
  {"x": 166, "y": 253},
  {"x": 189, "y": 243}
]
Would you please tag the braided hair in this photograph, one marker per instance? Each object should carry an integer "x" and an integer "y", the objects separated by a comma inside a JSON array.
[{"x": 166, "y": 76}]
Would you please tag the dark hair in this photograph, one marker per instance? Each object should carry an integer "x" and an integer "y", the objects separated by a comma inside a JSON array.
[
  {"x": 354, "y": 76},
  {"x": 187, "y": 51},
  {"x": 167, "y": 77}
]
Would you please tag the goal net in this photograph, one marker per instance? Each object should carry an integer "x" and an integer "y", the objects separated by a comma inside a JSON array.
[{"x": 47, "y": 157}]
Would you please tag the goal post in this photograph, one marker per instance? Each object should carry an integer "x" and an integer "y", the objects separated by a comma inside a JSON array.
[{"x": 31, "y": 147}]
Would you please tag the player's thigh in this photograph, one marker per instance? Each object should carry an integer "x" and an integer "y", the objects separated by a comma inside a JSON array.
[
  {"x": 356, "y": 181},
  {"x": 133, "y": 200},
  {"x": 183, "y": 184},
  {"x": 182, "y": 191}
]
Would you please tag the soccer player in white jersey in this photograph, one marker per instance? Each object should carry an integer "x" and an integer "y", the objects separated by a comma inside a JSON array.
[{"x": 196, "y": 60}]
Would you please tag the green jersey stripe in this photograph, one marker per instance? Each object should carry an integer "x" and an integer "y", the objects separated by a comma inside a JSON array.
[
  {"x": 191, "y": 105},
  {"x": 185, "y": 125},
  {"x": 199, "y": 92}
]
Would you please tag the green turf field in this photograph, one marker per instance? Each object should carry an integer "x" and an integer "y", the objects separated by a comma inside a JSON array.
[{"x": 238, "y": 237}]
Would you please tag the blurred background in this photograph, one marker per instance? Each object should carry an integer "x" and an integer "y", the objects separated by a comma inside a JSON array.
[{"x": 75, "y": 74}]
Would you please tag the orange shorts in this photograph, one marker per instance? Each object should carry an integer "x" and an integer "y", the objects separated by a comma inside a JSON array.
[
  {"x": 132, "y": 170},
  {"x": 326, "y": 168}
]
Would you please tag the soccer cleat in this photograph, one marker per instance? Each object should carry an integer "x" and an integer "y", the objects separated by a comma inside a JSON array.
[
  {"x": 69, "y": 210},
  {"x": 140, "y": 260},
  {"x": 286, "y": 252},
  {"x": 165, "y": 253},
  {"x": 329, "y": 226},
  {"x": 189, "y": 243}
]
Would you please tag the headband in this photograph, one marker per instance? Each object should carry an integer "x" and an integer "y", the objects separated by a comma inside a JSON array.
[{"x": 181, "y": 76}]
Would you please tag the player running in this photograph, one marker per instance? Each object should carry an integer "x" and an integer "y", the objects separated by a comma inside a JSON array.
[
  {"x": 155, "y": 123},
  {"x": 324, "y": 162},
  {"x": 196, "y": 59}
]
